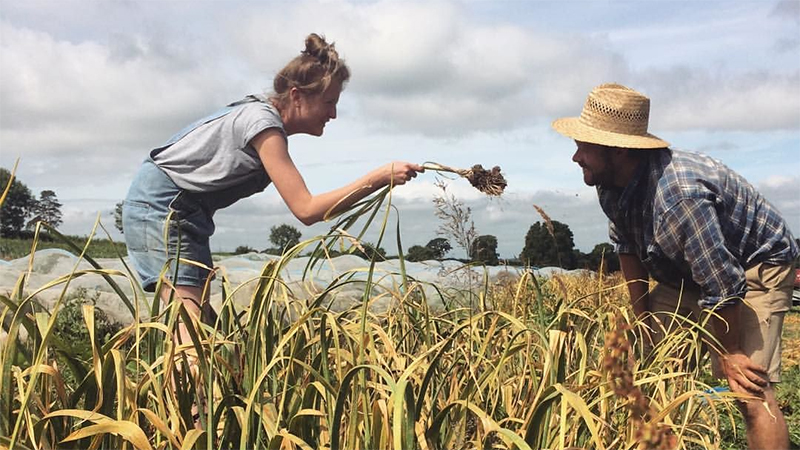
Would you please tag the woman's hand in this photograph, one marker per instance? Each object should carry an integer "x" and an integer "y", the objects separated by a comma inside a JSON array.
[{"x": 396, "y": 173}]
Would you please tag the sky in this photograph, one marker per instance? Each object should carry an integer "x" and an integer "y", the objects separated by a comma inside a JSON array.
[{"x": 88, "y": 87}]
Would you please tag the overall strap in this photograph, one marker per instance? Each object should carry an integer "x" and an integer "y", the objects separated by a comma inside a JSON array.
[
  {"x": 250, "y": 99},
  {"x": 211, "y": 117}
]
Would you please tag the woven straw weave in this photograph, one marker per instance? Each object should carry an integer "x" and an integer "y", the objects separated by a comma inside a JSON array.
[{"x": 613, "y": 115}]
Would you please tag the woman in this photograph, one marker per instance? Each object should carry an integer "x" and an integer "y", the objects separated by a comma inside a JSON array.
[{"x": 233, "y": 154}]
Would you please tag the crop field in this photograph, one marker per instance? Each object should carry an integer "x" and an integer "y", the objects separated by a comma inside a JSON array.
[{"x": 524, "y": 363}]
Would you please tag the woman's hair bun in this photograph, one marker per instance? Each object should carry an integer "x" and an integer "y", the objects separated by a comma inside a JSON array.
[
  {"x": 312, "y": 71},
  {"x": 319, "y": 49}
]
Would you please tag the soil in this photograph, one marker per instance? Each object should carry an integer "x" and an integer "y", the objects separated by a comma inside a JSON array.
[{"x": 490, "y": 182}]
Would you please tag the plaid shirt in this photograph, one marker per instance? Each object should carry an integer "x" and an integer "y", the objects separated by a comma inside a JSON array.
[{"x": 690, "y": 218}]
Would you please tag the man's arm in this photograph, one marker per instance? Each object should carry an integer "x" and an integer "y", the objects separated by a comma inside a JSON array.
[
  {"x": 691, "y": 229},
  {"x": 742, "y": 373},
  {"x": 637, "y": 278}
]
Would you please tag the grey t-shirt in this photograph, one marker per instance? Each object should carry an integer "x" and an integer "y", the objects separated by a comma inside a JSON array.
[{"x": 216, "y": 155}]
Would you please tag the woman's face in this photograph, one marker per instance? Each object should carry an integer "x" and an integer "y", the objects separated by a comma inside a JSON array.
[{"x": 313, "y": 111}]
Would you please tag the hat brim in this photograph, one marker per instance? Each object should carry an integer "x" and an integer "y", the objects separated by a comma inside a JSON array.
[{"x": 572, "y": 127}]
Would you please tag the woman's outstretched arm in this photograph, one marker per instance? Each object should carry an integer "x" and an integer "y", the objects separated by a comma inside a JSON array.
[{"x": 308, "y": 208}]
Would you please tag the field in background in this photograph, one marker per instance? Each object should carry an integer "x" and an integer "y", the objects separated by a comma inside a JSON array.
[{"x": 100, "y": 248}]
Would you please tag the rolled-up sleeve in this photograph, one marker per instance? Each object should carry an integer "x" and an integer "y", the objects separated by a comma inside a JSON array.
[
  {"x": 620, "y": 244},
  {"x": 690, "y": 232}
]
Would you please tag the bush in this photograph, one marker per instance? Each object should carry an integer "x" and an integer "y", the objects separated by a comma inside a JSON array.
[
  {"x": 243, "y": 249},
  {"x": 419, "y": 253},
  {"x": 70, "y": 327}
]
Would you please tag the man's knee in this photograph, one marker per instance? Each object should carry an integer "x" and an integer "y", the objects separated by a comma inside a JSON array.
[{"x": 755, "y": 409}]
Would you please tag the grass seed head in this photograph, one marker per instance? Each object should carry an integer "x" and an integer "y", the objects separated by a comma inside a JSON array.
[{"x": 618, "y": 367}]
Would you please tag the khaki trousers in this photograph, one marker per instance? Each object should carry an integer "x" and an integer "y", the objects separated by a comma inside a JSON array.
[{"x": 768, "y": 298}]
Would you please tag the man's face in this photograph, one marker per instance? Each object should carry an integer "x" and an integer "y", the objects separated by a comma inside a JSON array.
[{"x": 595, "y": 160}]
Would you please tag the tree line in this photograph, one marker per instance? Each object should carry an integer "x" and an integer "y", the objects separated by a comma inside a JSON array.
[
  {"x": 21, "y": 209},
  {"x": 546, "y": 244}
]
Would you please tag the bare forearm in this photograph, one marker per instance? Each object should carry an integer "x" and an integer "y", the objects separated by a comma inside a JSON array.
[
  {"x": 639, "y": 297},
  {"x": 637, "y": 278},
  {"x": 725, "y": 327},
  {"x": 309, "y": 208},
  {"x": 317, "y": 207}
]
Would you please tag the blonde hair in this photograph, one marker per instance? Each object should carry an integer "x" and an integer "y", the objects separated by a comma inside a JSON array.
[{"x": 311, "y": 72}]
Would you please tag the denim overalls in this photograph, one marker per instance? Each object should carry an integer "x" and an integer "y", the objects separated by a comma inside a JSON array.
[{"x": 153, "y": 198}]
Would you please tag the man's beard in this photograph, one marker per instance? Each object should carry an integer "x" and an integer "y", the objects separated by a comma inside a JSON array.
[{"x": 602, "y": 176}]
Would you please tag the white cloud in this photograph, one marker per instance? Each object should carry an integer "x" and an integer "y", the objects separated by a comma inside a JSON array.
[
  {"x": 784, "y": 193},
  {"x": 453, "y": 76},
  {"x": 787, "y": 9},
  {"x": 123, "y": 91},
  {"x": 684, "y": 98},
  {"x": 79, "y": 218},
  {"x": 781, "y": 182},
  {"x": 62, "y": 97},
  {"x": 88, "y": 87},
  {"x": 427, "y": 68}
]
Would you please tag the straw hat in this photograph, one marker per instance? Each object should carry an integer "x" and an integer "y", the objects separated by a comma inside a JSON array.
[{"x": 614, "y": 115}]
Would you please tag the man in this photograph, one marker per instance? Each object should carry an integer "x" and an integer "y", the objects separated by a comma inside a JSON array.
[{"x": 704, "y": 233}]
